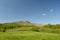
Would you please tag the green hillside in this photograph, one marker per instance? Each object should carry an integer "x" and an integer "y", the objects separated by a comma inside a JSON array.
[
  {"x": 25, "y": 30},
  {"x": 29, "y": 26}
]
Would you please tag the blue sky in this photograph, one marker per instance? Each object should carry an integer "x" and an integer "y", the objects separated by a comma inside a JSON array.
[{"x": 38, "y": 11}]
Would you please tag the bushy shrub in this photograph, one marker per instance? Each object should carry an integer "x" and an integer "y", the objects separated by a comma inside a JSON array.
[
  {"x": 35, "y": 29},
  {"x": 47, "y": 26}
]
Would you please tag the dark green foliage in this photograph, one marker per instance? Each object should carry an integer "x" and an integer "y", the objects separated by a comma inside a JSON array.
[
  {"x": 35, "y": 29},
  {"x": 57, "y": 26},
  {"x": 4, "y": 30},
  {"x": 47, "y": 26}
]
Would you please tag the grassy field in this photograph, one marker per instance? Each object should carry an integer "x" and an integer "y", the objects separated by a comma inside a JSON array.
[{"x": 28, "y": 35}]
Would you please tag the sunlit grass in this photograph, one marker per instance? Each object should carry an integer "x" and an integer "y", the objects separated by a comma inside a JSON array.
[{"x": 28, "y": 35}]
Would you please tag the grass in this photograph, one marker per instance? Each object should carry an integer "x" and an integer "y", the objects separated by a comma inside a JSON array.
[
  {"x": 19, "y": 29},
  {"x": 28, "y": 35}
]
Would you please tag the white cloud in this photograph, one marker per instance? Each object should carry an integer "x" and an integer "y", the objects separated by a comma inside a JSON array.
[
  {"x": 51, "y": 10},
  {"x": 44, "y": 14}
]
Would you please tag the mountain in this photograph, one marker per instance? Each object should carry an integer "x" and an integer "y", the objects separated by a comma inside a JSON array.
[{"x": 28, "y": 23}]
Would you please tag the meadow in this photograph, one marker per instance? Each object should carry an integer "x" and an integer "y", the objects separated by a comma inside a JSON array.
[{"x": 28, "y": 35}]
